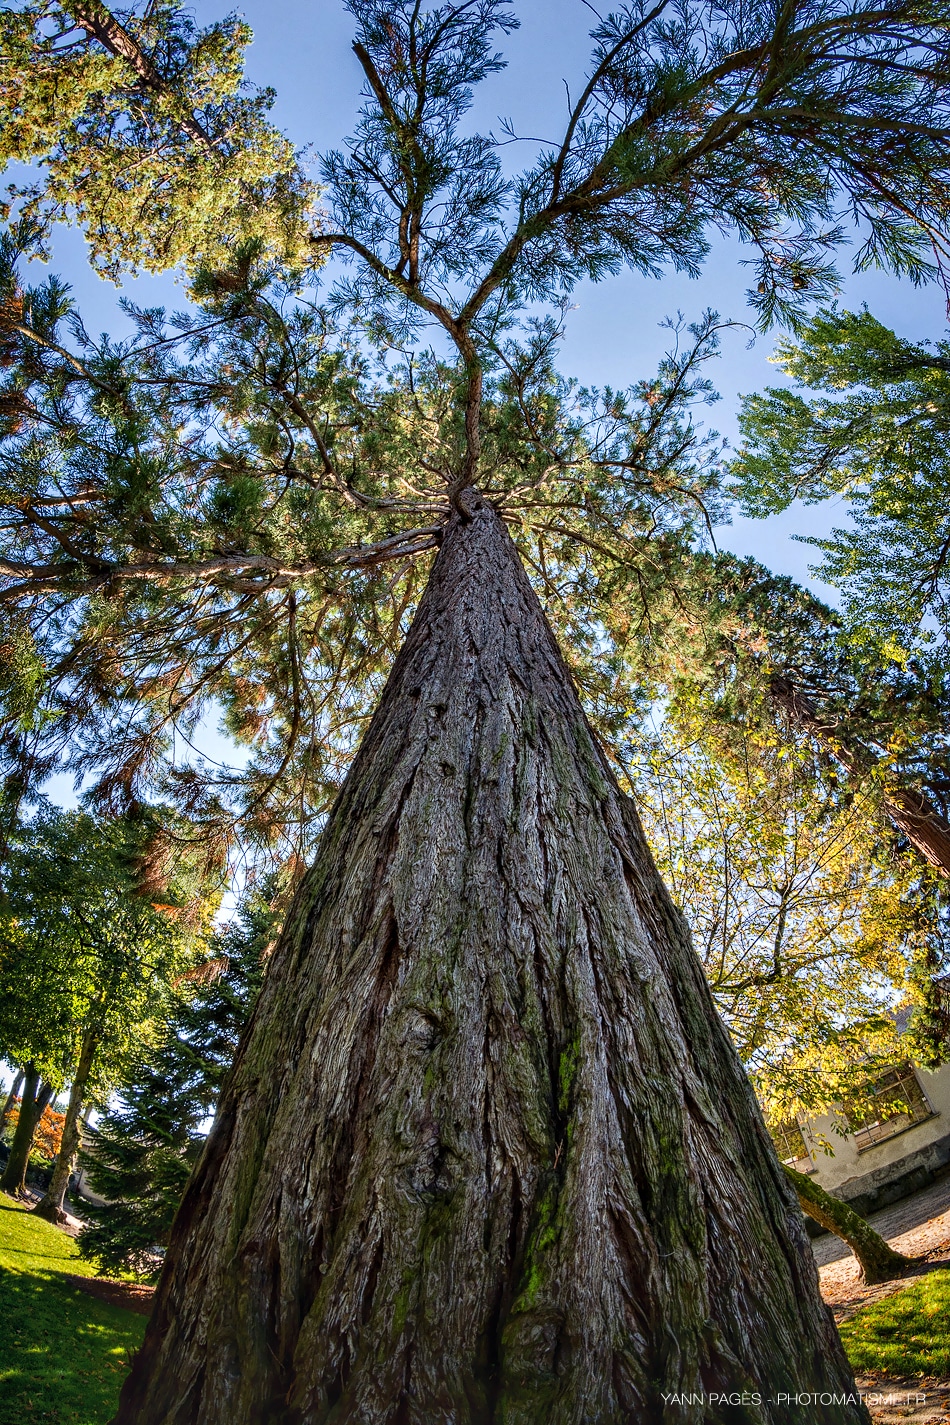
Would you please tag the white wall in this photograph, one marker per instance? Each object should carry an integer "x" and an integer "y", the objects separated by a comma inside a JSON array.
[{"x": 848, "y": 1162}]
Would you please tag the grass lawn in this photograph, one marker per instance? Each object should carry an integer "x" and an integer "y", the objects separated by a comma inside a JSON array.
[
  {"x": 907, "y": 1334},
  {"x": 63, "y": 1355}
]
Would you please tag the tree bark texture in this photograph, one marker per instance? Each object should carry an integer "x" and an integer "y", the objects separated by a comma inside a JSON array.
[
  {"x": 913, "y": 813},
  {"x": 50, "y": 1204},
  {"x": 486, "y": 1155},
  {"x": 878, "y": 1261},
  {"x": 36, "y": 1095}
]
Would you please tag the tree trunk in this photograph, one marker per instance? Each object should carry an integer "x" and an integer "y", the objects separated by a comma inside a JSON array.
[
  {"x": 924, "y": 824},
  {"x": 11, "y": 1098},
  {"x": 486, "y": 1153},
  {"x": 36, "y": 1095},
  {"x": 50, "y": 1204},
  {"x": 878, "y": 1261}
]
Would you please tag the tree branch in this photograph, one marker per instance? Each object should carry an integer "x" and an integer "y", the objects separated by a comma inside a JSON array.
[{"x": 101, "y": 25}]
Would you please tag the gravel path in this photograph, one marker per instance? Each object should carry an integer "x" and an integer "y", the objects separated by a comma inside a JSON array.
[
  {"x": 919, "y": 1227},
  {"x": 925, "y": 1210},
  {"x": 907, "y": 1402}
]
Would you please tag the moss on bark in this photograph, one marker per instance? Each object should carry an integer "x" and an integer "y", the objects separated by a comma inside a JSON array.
[
  {"x": 878, "y": 1261},
  {"x": 486, "y": 1156}
]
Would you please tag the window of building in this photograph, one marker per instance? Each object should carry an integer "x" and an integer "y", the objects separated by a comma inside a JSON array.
[
  {"x": 791, "y": 1146},
  {"x": 898, "y": 1102}
]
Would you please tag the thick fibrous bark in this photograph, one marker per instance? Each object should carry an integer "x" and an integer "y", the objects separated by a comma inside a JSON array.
[
  {"x": 878, "y": 1261},
  {"x": 486, "y": 1153},
  {"x": 50, "y": 1204},
  {"x": 923, "y": 823},
  {"x": 36, "y": 1095}
]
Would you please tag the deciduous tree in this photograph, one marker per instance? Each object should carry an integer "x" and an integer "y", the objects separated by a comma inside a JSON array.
[
  {"x": 809, "y": 924},
  {"x": 80, "y": 935},
  {"x": 877, "y": 1260},
  {"x": 463, "y": 1167},
  {"x": 36, "y": 1095}
]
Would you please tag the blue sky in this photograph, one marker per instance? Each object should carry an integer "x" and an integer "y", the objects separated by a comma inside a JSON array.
[{"x": 613, "y": 334}]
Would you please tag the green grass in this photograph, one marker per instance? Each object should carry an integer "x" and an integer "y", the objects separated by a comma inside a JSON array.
[
  {"x": 907, "y": 1334},
  {"x": 63, "y": 1355}
]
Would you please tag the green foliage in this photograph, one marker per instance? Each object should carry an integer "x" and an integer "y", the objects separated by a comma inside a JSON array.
[
  {"x": 146, "y": 134},
  {"x": 687, "y": 122},
  {"x": 147, "y": 1141},
  {"x": 63, "y": 1354},
  {"x": 85, "y": 953},
  {"x": 234, "y": 512},
  {"x": 236, "y": 508},
  {"x": 906, "y": 1334},
  {"x": 717, "y": 654},
  {"x": 808, "y": 925},
  {"x": 877, "y": 435},
  {"x": 775, "y": 836},
  {"x": 21, "y": 675}
]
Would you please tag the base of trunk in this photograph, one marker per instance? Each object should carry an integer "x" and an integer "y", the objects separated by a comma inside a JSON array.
[
  {"x": 51, "y": 1213},
  {"x": 486, "y": 1155},
  {"x": 877, "y": 1260}
]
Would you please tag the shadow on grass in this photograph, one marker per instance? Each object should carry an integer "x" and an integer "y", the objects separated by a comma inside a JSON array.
[
  {"x": 906, "y": 1333},
  {"x": 63, "y": 1355}
]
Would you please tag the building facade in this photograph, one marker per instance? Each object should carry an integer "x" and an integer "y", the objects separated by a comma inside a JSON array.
[{"x": 894, "y": 1147}]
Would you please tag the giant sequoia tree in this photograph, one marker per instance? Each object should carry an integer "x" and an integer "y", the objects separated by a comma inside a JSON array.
[{"x": 486, "y": 1152}]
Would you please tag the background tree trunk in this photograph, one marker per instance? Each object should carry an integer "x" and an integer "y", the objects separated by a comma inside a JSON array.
[
  {"x": 50, "y": 1204},
  {"x": 913, "y": 813},
  {"x": 36, "y": 1095},
  {"x": 486, "y": 1153},
  {"x": 878, "y": 1261},
  {"x": 11, "y": 1098}
]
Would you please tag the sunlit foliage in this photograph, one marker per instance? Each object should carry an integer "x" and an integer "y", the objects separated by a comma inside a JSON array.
[
  {"x": 808, "y": 924},
  {"x": 144, "y": 131},
  {"x": 877, "y": 434}
]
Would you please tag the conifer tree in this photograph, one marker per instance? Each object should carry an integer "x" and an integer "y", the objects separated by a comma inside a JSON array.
[
  {"x": 149, "y": 1138},
  {"x": 486, "y": 1152},
  {"x": 876, "y": 434},
  {"x": 146, "y": 133}
]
